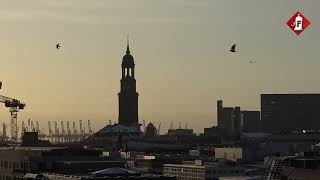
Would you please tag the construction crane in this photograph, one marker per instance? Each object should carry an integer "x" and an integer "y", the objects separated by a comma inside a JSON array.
[
  {"x": 32, "y": 127},
  {"x": 75, "y": 131},
  {"x": 14, "y": 106},
  {"x": 56, "y": 131},
  {"x": 4, "y": 132},
  {"x": 68, "y": 128},
  {"x": 144, "y": 126},
  {"x": 81, "y": 127},
  {"x": 74, "y": 128},
  {"x": 50, "y": 131},
  {"x": 89, "y": 128},
  {"x": 68, "y": 133},
  {"x": 29, "y": 125},
  {"x": 63, "y": 132},
  {"x": 37, "y": 127},
  {"x": 23, "y": 128},
  {"x": 159, "y": 128}
]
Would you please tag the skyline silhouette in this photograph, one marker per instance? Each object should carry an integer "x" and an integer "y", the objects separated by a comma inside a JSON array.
[{"x": 181, "y": 48}]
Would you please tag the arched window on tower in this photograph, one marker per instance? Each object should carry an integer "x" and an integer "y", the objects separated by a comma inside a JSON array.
[{"x": 127, "y": 74}]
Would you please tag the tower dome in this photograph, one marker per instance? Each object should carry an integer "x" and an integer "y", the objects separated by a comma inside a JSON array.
[{"x": 127, "y": 60}]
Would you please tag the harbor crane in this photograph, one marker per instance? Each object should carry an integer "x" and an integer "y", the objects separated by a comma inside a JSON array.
[{"x": 14, "y": 106}]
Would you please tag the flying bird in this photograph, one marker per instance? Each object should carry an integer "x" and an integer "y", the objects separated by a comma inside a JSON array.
[
  {"x": 58, "y": 46},
  {"x": 233, "y": 48},
  {"x": 251, "y": 62}
]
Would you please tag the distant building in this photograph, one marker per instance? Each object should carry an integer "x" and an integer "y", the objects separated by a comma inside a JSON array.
[
  {"x": 180, "y": 132},
  {"x": 150, "y": 146},
  {"x": 290, "y": 112},
  {"x": 212, "y": 131},
  {"x": 117, "y": 130},
  {"x": 228, "y": 125},
  {"x": 229, "y": 120},
  {"x": 306, "y": 166},
  {"x": 31, "y": 139},
  {"x": 130, "y": 154},
  {"x": 241, "y": 178},
  {"x": 232, "y": 121},
  {"x": 233, "y": 178},
  {"x": 241, "y": 154},
  {"x": 104, "y": 174},
  {"x": 254, "y": 138},
  {"x": 208, "y": 152},
  {"x": 152, "y": 164},
  {"x": 220, "y": 122},
  {"x": 151, "y": 131},
  {"x": 16, "y": 162},
  {"x": 229, "y": 153},
  {"x": 194, "y": 152},
  {"x": 202, "y": 171},
  {"x": 274, "y": 167},
  {"x": 237, "y": 120},
  {"x": 250, "y": 121}
]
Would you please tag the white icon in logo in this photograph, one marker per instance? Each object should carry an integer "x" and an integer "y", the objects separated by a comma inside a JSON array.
[{"x": 298, "y": 23}]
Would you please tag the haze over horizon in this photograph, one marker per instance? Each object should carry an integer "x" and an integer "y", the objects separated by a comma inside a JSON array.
[{"x": 181, "y": 51}]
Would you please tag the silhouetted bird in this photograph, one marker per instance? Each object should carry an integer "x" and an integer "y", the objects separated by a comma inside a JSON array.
[
  {"x": 233, "y": 48},
  {"x": 58, "y": 46},
  {"x": 252, "y": 62}
]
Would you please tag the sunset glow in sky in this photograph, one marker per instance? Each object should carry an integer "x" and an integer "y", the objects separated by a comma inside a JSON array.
[{"x": 180, "y": 47}]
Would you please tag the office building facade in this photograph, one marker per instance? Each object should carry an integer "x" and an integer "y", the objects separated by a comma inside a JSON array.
[{"x": 290, "y": 112}]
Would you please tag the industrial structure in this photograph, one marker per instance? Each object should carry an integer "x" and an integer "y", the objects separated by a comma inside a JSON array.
[
  {"x": 57, "y": 133},
  {"x": 61, "y": 132},
  {"x": 14, "y": 106}
]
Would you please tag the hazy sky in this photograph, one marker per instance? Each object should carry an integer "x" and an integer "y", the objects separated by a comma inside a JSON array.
[{"x": 181, "y": 53}]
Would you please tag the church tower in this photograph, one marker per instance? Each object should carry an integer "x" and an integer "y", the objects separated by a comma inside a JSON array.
[{"x": 128, "y": 96}]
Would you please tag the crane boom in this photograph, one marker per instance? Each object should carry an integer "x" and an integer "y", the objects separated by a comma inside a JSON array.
[
  {"x": 14, "y": 105},
  {"x": 11, "y": 102}
]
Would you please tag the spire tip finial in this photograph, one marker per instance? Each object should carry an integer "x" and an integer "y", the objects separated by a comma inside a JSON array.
[
  {"x": 128, "y": 39},
  {"x": 128, "y": 48}
]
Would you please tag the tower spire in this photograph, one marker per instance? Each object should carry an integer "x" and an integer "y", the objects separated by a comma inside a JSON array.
[
  {"x": 128, "y": 48},
  {"x": 128, "y": 96}
]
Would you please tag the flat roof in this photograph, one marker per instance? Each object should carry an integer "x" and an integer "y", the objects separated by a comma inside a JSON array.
[
  {"x": 184, "y": 166},
  {"x": 32, "y": 148},
  {"x": 94, "y": 161},
  {"x": 201, "y": 166}
]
